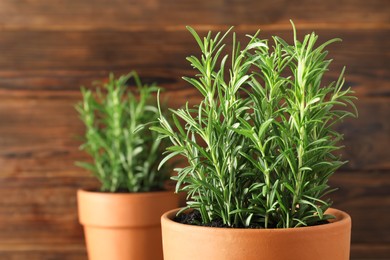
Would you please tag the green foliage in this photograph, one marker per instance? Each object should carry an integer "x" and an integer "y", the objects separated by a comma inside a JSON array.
[
  {"x": 125, "y": 152},
  {"x": 260, "y": 145}
]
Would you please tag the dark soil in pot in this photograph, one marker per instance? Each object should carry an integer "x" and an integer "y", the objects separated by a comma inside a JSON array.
[{"x": 193, "y": 217}]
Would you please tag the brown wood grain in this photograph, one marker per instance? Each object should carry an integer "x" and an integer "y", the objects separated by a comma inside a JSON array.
[
  {"x": 361, "y": 194},
  {"x": 171, "y": 14},
  {"x": 36, "y": 142},
  {"x": 365, "y": 196},
  {"x": 77, "y": 252},
  {"x": 46, "y": 251},
  {"x": 39, "y": 210},
  {"x": 370, "y": 251},
  {"x": 49, "y": 48},
  {"x": 65, "y": 60}
]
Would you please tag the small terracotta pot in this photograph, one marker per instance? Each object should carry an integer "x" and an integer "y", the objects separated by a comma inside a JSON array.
[
  {"x": 123, "y": 226},
  {"x": 323, "y": 242}
]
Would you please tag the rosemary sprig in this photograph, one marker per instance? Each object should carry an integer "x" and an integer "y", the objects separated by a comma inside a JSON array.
[
  {"x": 125, "y": 152},
  {"x": 260, "y": 145}
]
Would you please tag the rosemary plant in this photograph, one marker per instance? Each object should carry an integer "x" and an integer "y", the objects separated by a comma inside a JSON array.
[
  {"x": 260, "y": 145},
  {"x": 125, "y": 152}
]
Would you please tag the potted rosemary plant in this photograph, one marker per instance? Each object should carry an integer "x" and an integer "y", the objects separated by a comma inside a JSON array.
[
  {"x": 260, "y": 148},
  {"x": 122, "y": 219}
]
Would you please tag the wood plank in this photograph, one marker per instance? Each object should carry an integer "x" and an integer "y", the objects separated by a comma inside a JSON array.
[
  {"x": 43, "y": 255},
  {"x": 365, "y": 196},
  {"x": 133, "y": 15},
  {"x": 42, "y": 208},
  {"x": 366, "y": 138},
  {"x": 34, "y": 142},
  {"x": 47, "y": 251},
  {"x": 65, "y": 60},
  {"x": 50, "y": 48},
  {"x": 77, "y": 251},
  {"x": 370, "y": 251}
]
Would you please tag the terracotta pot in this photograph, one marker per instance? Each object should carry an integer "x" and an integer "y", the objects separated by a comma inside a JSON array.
[
  {"x": 123, "y": 225},
  {"x": 330, "y": 241}
]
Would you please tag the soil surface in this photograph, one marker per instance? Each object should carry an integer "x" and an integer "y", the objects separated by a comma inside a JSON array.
[
  {"x": 127, "y": 191},
  {"x": 194, "y": 218}
]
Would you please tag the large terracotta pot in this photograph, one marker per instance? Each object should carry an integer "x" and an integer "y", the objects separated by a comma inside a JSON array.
[
  {"x": 123, "y": 226},
  {"x": 323, "y": 242}
]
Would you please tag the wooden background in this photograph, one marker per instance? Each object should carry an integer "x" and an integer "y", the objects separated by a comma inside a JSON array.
[{"x": 48, "y": 48}]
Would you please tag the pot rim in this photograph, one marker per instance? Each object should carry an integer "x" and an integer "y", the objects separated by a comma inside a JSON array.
[
  {"x": 123, "y": 210},
  {"x": 125, "y": 194},
  {"x": 342, "y": 219}
]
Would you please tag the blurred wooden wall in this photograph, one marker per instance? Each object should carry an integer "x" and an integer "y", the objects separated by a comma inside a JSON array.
[{"x": 48, "y": 48}]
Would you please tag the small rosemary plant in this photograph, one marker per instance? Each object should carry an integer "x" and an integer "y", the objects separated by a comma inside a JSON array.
[
  {"x": 260, "y": 145},
  {"x": 125, "y": 152}
]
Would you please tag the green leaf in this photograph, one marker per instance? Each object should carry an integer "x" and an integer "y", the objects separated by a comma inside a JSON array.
[
  {"x": 196, "y": 36},
  {"x": 166, "y": 158}
]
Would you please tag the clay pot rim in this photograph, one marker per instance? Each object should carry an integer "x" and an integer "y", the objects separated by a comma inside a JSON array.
[
  {"x": 123, "y": 210},
  {"x": 342, "y": 219},
  {"x": 143, "y": 194}
]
